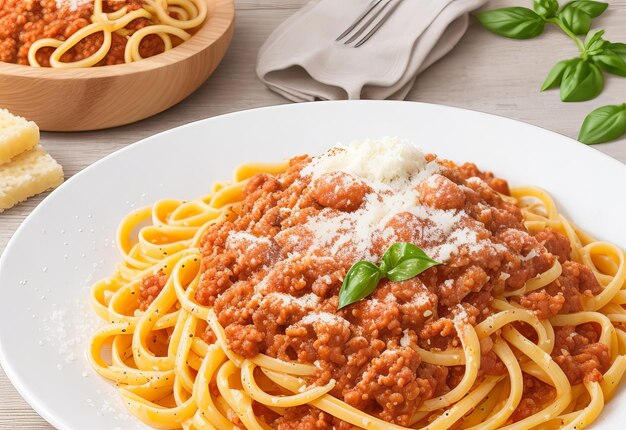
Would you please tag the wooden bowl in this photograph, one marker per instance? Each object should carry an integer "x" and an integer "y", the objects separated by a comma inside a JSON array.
[{"x": 108, "y": 96}]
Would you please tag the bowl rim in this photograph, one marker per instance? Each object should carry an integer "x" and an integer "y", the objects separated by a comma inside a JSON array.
[{"x": 220, "y": 19}]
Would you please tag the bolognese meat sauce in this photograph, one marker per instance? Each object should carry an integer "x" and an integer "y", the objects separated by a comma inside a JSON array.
[
  {"x": 23, "y": 22},
  {"x": 273, "y": 276}
]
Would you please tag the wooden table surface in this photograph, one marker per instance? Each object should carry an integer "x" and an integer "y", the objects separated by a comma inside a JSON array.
[{"x": 484, "y": 72}]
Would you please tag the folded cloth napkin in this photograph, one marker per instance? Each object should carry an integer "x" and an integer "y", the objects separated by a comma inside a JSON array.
[{"x": 302, "y": 61}]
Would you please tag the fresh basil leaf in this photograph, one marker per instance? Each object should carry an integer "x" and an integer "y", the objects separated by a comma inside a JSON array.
[
  {"x": 410, "y": 268},
  {"x": 604, "y": 124},
  {"x": 360, "y": 281},
  {"x": 581, "y": 81},
  {"x": 592, "y": 36},
  {"x": 404, "y": 260},
  {"x": 393, "y": 256},
  {"x": 594, "y": 43},
  {"x": 513, "y": 22},
  {"x": 556, "y": 74},
  {"x": 610, "y": 62},
  {"x": 401, "y": 261},
  {"x": 546, "y": 8},
  {"x": 619, "y": 49},
  {"x": 592, "y": 8},
  {"x": 399, "y": 252},
  {"x": 576, "y": 15},
  {"x": 575, "y": 19},
  {"x": 597, "y": 47}
]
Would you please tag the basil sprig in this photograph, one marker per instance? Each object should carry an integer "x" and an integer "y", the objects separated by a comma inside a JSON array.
[
  {"x": 580, "y": 78},
  {"x": 401, "y": 261},
  {"x": 523, "y": 23},
  {"x": 604, "y": 124}
]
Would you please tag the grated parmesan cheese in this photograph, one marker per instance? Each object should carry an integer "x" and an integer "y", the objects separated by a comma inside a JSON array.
[
  {"x": 308, "y": 301},
  {"x": 461, "y": 318},
  {"x": 324, "y": 317},
  {"x": 390, "y": 160},
  {"x": 353, "y": 233},
  {"x": 68, "y": 329},
  {"x": 72, "y": 5},
  {"x": 239, "y": 238},
  {"x": 532, "y": 254},
  {"x": 405, "y": 340}
]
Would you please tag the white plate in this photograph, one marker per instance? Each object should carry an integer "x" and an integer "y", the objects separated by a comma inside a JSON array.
[{"x": 67, "y": 242}]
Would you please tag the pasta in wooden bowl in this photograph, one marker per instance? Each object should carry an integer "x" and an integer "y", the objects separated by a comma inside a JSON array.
[{"x": 92, "y": 64}]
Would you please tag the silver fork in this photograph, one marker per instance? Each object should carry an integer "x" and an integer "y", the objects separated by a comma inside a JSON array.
[{"x": 374, "y": 16}]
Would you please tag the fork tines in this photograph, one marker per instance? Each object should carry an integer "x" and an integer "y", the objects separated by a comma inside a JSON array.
[{"x": 372, "y": 18}]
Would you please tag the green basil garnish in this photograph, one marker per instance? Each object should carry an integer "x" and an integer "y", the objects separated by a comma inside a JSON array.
[
  {"x": 360, "y": 281},
  {"x": 404, "y": 261},
  {"x": 581, "y": 81},
  {"x": 610, "y": 62},
  {"x": 546, "y": 8},
  {"x": 576, "y": 15},
  {"x": 594, "y": 43},
  {"x": 610, "y": 57},
  {"x": 513, "y": 22},
  {"x": 604, "y": 124},
  {"x": 556, "y": 74},
  {"x": 580, "y": 78},
  {"x": 401, "y": 261},
  {"x": 619, "y": 49}
]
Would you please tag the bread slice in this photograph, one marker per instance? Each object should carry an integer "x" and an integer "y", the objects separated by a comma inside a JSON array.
[
  {"x": 27, "y": 174},
  {"x": 16, "y": 135}
]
